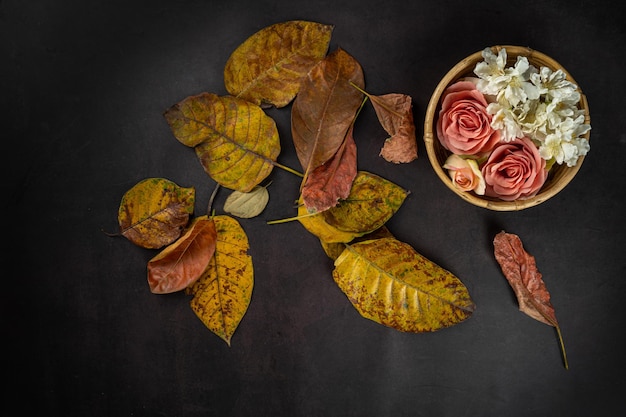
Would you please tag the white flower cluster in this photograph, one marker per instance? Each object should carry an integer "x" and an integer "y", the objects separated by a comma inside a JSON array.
[{"x": 538, "y": 103}]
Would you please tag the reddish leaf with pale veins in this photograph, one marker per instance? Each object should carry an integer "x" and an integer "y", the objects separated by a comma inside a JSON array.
[
  {"x": 520, "y": 270},
  {"x": 330, "y": 182},
  {"x": 395, "y": 114},
  {"x": 183, "y": 262},
  {"x": 325, "y": 108}
]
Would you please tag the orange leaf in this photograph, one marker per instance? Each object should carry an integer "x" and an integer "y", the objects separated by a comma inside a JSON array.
[
  {"x": 330, "y": 182},
  {"x": 182, "y": 263}
]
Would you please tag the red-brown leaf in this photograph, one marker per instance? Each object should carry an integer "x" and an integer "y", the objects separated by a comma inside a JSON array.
[
  {"x": 395, "y": 115},
  {"x": 331, "y": 182},
  {"x": 325, "y": 108},
  {"x": 183, "y": 262},
  {"x": 520, "y": 269}
]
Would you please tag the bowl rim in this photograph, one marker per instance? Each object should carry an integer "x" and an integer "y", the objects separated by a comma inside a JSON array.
[{"x": 561, "y": 176}]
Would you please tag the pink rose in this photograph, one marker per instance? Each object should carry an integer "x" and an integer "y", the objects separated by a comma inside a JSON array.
[
  {"x": 514, "y": 170},
  {"x": 464, "y": 126}
]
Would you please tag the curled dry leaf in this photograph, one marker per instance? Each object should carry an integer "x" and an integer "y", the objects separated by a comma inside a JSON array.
[
  {"x": 387, "y": 281},
  {"x": 222, "y": 294},
  {"x": 268, "y": 67},
  {"x": 371, "y": 202},
  {"x": 520, "y": 270},
  {"x": 395, "y": 114},
  {"x": 247, "y": 205},
  {"x": 236, "y": 142},
  {"x": 154, "y": 212},
  {"x": 182, "y": 263},
  {"x": 332, "y": 181},
  {"x": 325, "y": 108}
]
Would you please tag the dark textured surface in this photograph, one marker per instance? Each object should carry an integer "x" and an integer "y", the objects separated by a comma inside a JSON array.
[{"x": 83, "y": 89}]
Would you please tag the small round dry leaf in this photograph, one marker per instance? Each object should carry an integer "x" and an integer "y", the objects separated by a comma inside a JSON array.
[{"x": 247, "y": 205}]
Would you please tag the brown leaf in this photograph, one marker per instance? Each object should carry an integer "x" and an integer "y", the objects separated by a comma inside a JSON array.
[
  {"x": 330, "y": 182},
  {"x": 520, "y": 270},
  {"x": 268, "y": 67},
  {"x": 395, "y": 114},
  {"x": 182, "y": 263},
  {"x": 325, "y": 108}
]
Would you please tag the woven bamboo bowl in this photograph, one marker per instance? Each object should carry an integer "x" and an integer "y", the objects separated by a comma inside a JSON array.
[{"x": 560, "y": 175}]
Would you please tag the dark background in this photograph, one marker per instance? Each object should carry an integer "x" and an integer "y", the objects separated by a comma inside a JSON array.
[{"x": 84, "y": 85}]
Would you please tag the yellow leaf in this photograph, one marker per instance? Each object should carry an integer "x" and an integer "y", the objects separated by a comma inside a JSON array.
[
  {"x": 267, "y": 68},
  {"x": 371, "y": 202},
  {"x": 154, "y": 212},
  {"x": 235, "y": 141},
  {"x": 222, "y": 294},
  {"x": 387, "y": 281}
]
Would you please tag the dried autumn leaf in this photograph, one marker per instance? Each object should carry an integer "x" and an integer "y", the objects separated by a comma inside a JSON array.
[
  {"x": 325, "y": 108},
  {"x": 315, "y": 224},
  {"x": 154, "y": 212},
  {"x": 331, "y": 182},
  {"x": 395, "y": 114},
  {"x": 235, "y": 141},
  {"x": 247, "y": 205},
  {"x": 387, "y": 281},
  {"x": 182, "y": 263},
  {"x": 520, "y": 270},
  {"x": 372, "y": 201},
  {"x": 222, "y": 294},
  {"x": 268, "y": 67},
  {"x": 334, "y": 249}
]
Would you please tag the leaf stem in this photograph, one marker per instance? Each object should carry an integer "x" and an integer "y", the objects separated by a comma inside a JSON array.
[
  {"x": 558, "y": 332},
  {"x": 213, "y": 194},
  {"x": 290, "y": 219},
  {"x": 286, "y": 168}
]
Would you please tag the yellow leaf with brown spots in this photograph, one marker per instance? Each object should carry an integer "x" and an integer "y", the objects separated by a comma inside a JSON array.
[
  {"x": 222, "y": 294},
  {"x": 154, "y": 212},
  {"x": 235, "y": 141},
  {"x": 268, "y": 67},
  {"x": 389, "y": 282}
]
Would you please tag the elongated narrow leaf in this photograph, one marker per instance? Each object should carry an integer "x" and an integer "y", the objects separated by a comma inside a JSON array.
[
  {"x": 372, "y": 201},
  {"x": 222, "y": 294},
  {"x": 181, "y": 263},
  {"x": 268, "y": 67},
  {"x": 332, "y": 181},
  {"x": 325, "y": 108},
  {"x": 387, "y": 281},
  {"x": 154, "y": 212},
  {"x": 520, "y": 270},
  {"x": 236, "y": 142}
]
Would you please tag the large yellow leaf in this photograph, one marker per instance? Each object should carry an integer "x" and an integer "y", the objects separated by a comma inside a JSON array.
[
  {"x": 390, "y": 283},
  {"x": 236, "y": 142},
  {"x": 267, "y": 68},
  {"x": 222, "y": 294},
  {"x": 154, "y": 212}
]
